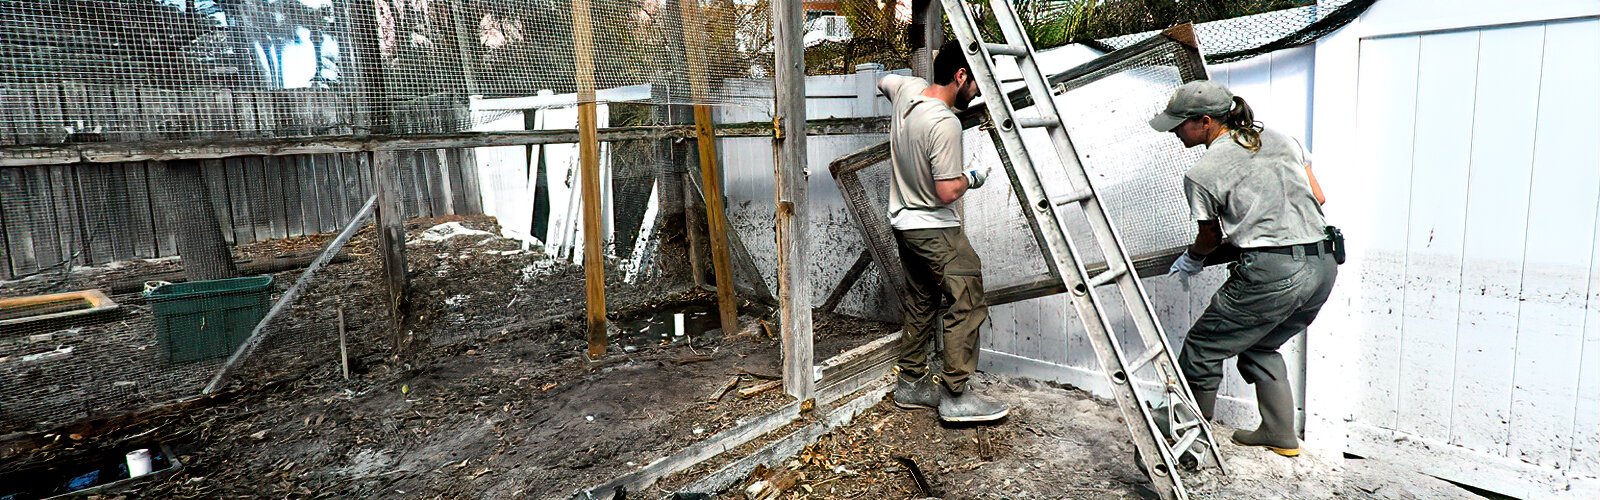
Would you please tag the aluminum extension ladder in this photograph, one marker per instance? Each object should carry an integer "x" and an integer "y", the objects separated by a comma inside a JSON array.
[{"x": 1183, "y": 436}]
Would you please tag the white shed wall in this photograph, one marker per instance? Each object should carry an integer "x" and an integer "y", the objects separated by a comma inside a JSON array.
[{"x": 1464, "y": 171}]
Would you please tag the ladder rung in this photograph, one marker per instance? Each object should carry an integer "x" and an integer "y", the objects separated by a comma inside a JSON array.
[
  {"x": 1107, "y": 277},
  {"x": 1145, "y": 359},
  {"x": 1001, "y": 49},
  {"x": 1183, "y": 444},
  {"x": 1074, "y": 197},
  {"x": 1037, "y": 122}
]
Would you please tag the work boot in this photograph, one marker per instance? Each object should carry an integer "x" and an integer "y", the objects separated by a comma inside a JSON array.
[
  {"x": 1276, "y": 402},
  {"x": 915, "y": 393},
  {"x": 968, "y": 406}
]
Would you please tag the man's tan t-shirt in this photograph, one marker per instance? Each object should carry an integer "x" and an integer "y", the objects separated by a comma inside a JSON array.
[
  {"x": 924, "y": 146},
  {"x": 1259, "y": 198}
]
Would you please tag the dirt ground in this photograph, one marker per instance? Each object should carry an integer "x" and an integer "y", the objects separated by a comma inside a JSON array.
[
  {"x": 1059, "y": 443},
  {"x": 493, "y": 397}
]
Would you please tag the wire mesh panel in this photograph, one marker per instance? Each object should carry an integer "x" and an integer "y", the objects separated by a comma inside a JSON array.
[
  {"x": 1137, "y": 172},
  {"x": 126, "y": 70}
]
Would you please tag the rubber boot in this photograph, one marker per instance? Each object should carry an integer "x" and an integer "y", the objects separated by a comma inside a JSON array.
[
  {"x": 1206, "y": 401},
  {"x": 969, "y": 406},
  {"x": 915, "y": 393},
  {"x": 1276, "y": 433}
]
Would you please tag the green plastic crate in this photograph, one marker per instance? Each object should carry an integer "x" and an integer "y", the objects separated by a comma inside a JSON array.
[{"x": 208, "y": 319}]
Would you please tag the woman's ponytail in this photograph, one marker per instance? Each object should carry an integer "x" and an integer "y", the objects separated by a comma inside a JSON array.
[{"x": 1241, "y": 122}]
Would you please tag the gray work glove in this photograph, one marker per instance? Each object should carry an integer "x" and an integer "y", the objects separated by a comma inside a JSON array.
[
  {"x": 976, "y": 176},
  {"x": 1186, "y": 266}
]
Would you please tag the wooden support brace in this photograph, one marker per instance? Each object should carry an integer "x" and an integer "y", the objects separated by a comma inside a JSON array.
[
  {"x": 391, "y": 240},
  {"x": 710, "y": 171},
  {"x": 594, "y": 264},
  {"x": 716, "y": 219}
]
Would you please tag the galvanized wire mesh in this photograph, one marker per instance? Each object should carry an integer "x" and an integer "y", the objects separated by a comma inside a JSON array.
[
  {"x": 1136, "y": 171},
  {"x": 494, "y": 240},
  {"x": 126, "y": 70}
]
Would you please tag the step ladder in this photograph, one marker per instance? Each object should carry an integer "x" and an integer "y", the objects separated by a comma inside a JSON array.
[{"x": 1160, "y": 412}]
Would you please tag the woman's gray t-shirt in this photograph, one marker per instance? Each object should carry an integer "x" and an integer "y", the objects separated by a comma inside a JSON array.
[{"x": 1260, "y": 198}]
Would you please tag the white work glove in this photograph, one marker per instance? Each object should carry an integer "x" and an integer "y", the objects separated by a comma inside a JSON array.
[
  {"x": 976, "y": 176},
  {"x": 1186, "y": 266}
]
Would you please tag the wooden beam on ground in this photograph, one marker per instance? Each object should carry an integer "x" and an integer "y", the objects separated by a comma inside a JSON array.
[
  {"x": 594, "y": 263},
  {"x": 122, "y": 152},
  {"x": 834, "y": 388},
  {"x": 391, "y": 240},
  {"x": 794, "y": 204},
  {"x": 780, "y": 450}
]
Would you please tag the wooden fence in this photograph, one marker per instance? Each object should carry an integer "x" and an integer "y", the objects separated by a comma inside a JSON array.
[{"x": 94, "y": 214}]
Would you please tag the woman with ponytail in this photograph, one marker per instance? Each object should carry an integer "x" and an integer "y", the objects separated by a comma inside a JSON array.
[{"x": 1252, "y": 189}]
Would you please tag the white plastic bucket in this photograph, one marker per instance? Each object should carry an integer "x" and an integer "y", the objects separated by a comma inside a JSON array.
[{"x": 138, "y": 462}]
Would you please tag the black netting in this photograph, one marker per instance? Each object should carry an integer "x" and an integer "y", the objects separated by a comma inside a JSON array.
[{"x": 1230, "y": 30}]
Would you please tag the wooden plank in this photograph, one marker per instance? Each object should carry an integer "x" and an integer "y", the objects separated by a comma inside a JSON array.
[
  {"x": 471, "y": 190},
  {"x": 138, "y": 218},
  {"x": 312, "y": 189},
  {"x": 1560, "y": 239},
  {"x": 64, "y": 201},
  {"x": 1497, "y": 207},
  {"x": 589, "y": 179},
  {"x": 167, "y": 213},
  {"x": 450, "y": 173},
  {"x": 18, "y": 207},
  {"x": 794, "y": 205},
  {"x": 406, "y": 174},
  {"x": 46, "y": 228},
  {"x": 349, "y": 182},
  {"x": 274, "y": 170},
  {"x": 93, "y": 188},
  {"x": 339, "y": 208},
  {"x": 215, "y": 173},
  {"x": 153, "y": 150},
  {"x": 119, "y": 204},
  {"x": 391, "y": 240},
  {"x": 438, "y": 182},
  {"x": 1385, "y": 122},
  {"x": 239, "y": 200},
  {"x": 261, "y": 205},
  {"x": 331, "y": 189},
  {"x": 775, "y": 453},
  {"x": 328, "y": 184},
  {"x": 717, "y": 220},
  {"x": 293, "y": 180}
]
